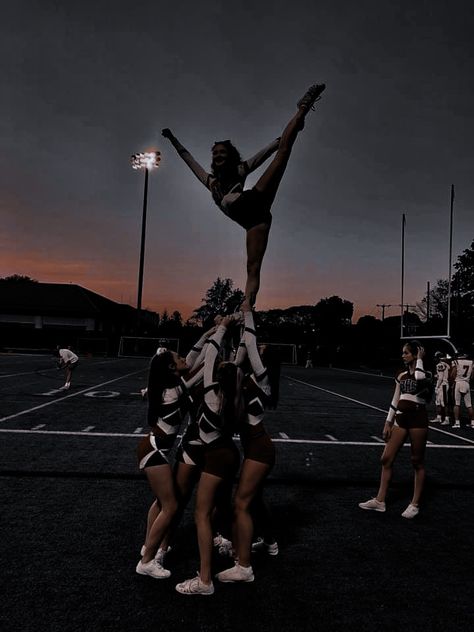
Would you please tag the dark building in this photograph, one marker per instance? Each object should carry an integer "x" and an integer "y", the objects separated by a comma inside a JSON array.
[{"x": 40, "y": 315}]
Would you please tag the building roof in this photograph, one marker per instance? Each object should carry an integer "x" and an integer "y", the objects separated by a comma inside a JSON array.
[{"x": 55, "y": 298}]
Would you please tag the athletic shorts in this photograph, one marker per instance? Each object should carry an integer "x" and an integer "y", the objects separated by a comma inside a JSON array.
[
  {"x": 462, "y": 390},
  {"x": 153, "y": 450},
  {"x": 411, "y": 415},
  {"x": 250, "y": 209},
  {"x": 441, "y": 396},
  {"x": 222, "y": 461},
  {"x": 191, "y": 454},
  {"x": 257, "y": 445}
]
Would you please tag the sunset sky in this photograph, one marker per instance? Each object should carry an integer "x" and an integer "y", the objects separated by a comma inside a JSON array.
[{"x": 86, "y": 83}]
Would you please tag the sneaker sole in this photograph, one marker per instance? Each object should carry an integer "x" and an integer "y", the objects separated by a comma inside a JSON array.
[
  {"x": 145, "y": 574},
  {"x": 373, "y": 509},
  {"x": 203, "y": 594},
  {"x": 236, "y": 581}
]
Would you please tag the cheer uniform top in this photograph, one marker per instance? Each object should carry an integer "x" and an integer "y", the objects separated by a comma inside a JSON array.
[
  {"x": 248, "y": 208},
  {"x": 408, "y": 406},
  {"x": 166, "y": 417},
  {"x": 221, "y": 457}
]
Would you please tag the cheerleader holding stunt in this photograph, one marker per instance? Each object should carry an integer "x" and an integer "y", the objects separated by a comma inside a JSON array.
[
  {"x": 169, "y": 402},
  {"x": 259, "y": 390},
  {"x": 220, "y": 461},
  {"x": 407, "y": 417},
  {"x": 251, "y": 208}
]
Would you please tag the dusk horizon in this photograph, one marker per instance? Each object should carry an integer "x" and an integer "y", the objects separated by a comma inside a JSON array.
[{"x": 392, "y": 132}]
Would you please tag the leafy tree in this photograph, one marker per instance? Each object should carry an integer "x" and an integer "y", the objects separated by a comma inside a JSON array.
[
  {"x": 220, "y": 298},
  {"x": 334, "y": 311},
  {"x": 18, "y": 278},
  {"x": 462, "y": 300},
  {"x": 171, "y": 325},
  {"x": 463, "y": 287},
  {"x": 438, "y": 302},
  {"x": 177, "y": 319},
  {"x": 368, "y": 323}
]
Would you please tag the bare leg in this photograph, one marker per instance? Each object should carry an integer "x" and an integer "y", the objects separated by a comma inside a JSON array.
[
  {"x": 269, "y": 181},
  {"x": 268, "y": 184},
  {"x": 392, "y": 448},
  {"x": 161, "y": 482},
  {"x": 153, "y": 513},
  {"x": 252, "y": 475},
  {"x": 205, "y": 498},
  {"x": 185, "y": 477},
  {"x": 262, "y": 518},
  {"x": 257, "y": 239},
  {"x": 223, "y": 513},
  {"x": 418, "y": 446}
]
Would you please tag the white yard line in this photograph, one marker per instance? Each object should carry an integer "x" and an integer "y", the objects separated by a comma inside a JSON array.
[
  {"x": 379, "y": 439},
  {"x": 356, "y": 401},
  {"x": 275, "y": 440},
  {"x": 61, "y": 399},
  {"x": 387, "y": 377}
]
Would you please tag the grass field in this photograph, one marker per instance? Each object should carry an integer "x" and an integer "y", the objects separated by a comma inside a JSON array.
[{"x": 74, "y": 508}]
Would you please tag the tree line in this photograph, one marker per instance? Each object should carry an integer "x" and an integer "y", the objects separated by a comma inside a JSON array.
[{"x": 327, "y": 324}]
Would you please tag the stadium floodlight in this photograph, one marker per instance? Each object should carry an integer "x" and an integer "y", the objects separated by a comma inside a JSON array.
[{"x": 147, "y": 161}]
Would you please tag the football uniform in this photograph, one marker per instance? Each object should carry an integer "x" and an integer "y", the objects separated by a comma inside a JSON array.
[
  {"x": 441, "y": 388},
  {"x": 464, "y": 370}
]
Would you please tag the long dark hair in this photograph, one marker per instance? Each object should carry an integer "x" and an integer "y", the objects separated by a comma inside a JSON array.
[
  {"x": 229, "y": 377},
  {"x": 413, "y": 346},
  {"x": 160, "y": 377},
  {"x": 233, "y": 160},
  {"x": 426, "y": 391}
]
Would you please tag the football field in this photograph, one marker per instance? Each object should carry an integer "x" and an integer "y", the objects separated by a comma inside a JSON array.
[{"x": 74, "y": 510}]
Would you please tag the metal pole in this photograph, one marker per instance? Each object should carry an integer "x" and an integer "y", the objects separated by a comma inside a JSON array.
[
  {"x": 427, "y": 301},
  {"x": 403, "y": 274},
  {"x": 142, "y": 251},
  {"x": 450, "y": 260}
]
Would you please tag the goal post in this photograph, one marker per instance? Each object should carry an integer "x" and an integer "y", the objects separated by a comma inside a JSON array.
[{"x": 142, "y": 347}]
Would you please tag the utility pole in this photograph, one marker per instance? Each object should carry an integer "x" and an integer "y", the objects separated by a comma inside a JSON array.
[{"x": 383, "y": 306}]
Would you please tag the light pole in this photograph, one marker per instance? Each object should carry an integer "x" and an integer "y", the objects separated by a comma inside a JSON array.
[{"x": 146, "y": 161}]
